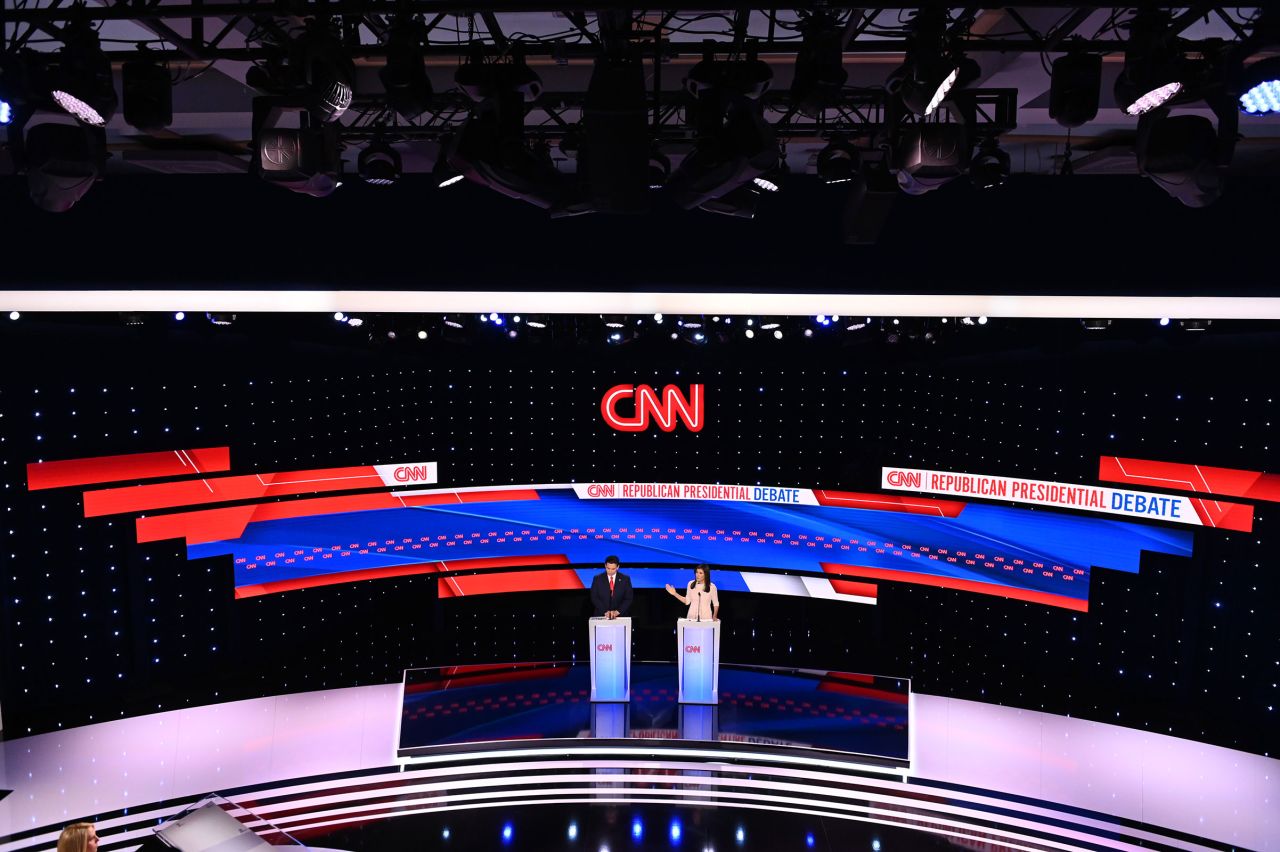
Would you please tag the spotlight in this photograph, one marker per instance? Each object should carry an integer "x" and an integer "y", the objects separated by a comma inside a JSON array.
[
  {"x": 699, "y": 336},
  {"x": 508, "y": 832},
  {"x": 990, "y": 166},
  {"x": 808, "y": 332},
  {"x": 422, "y": 335},
  {"x": 444, "y": 834},
  {"x": 875, "y": 844},
  {"x": 966, "y": 320},
  {"x": 63, "y": 162},
  {"x": 765, "y": 184},
  {"x": 6, "y": 111},
  {"x": 1154, "y": 68},
  {"x": 637, "y": 828},
  {"x": 750, "y": 334},
  {"x": 444, "y": 174},
  {"x": 615, "y": 337},
  {"x": 777, "y": 333},
  {"x": 14, "y": 315},
  {"x": 573, "y": 831},
  {"x": 982, "y": 320},
  {"x": 1260, "y": 94},
  {"x": 659, "y": 169},
  {"x": 494, "y": 317},
  {"x": 839, "y": 161},
  {"x": 1164, "y": 321},
  {"x": 1183, "y": 154},
  {"x": 516, "y": 318},
  {"x": 933, "y": 68},
  {"x": 220, "y": 319},
  {"x": 734, "y": 143},
  {"x": 305, "y": 160},
  {"x": 491, "y": 149},
  {"x": 80, "y": 77},
  {"x": 404, "y": 77},
  {"x": 534, "y": 324},
  {"x": 339, "y": 316},
  {"x": 615, "y": 162},
  {"x": 379, "y": 164},
  {"x": 180, "y": 316},
  {"x": 740, "y": 836},
  {"x": 657, "y": 318},
  {"x": 676, "y": 831},
  {"x": 355, "y": 322},
  {"x": 819, "y": 71},
  {"x": 1074, "y": 87},
  {"x": 148, "y": 93},
  {"x": 931, "y": 155},
  {"x": 810, "y": 840}
]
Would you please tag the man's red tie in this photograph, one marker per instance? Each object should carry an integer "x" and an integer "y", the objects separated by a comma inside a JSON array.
[{"x": 610, "y": 585}]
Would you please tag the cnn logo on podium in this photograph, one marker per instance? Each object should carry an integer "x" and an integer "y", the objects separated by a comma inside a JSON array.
[
  {"x": 604, "y": 646},
  {"x": 667, "y": 410}
]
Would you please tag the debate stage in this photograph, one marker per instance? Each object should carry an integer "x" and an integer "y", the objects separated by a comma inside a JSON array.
[{"x": 763, "y": 711}]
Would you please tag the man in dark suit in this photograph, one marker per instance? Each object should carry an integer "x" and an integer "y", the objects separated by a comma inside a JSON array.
[{"x": 611, "y": 591}]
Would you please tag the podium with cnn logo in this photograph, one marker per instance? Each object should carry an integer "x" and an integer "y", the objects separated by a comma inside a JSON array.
[
  {"x": 610, "y": 659},
  {"x": 698, "y": 650}
]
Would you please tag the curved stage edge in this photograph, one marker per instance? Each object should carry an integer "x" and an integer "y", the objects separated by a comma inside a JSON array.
[{"x": 310, "y": 762}]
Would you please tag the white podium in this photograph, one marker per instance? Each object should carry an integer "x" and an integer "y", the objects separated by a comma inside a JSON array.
[
  {"x": 698, "y": 650},
  {"x": 610, "y": 659}
]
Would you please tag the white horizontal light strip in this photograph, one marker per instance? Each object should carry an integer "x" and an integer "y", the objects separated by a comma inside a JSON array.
[
  {"x": 411, "y": 781},
  {"x": 714, "y": 755},
  {"x": 449, "y": 792},
  {"x": 613, "y": 800},
  {"x": 781, "y": 304}
]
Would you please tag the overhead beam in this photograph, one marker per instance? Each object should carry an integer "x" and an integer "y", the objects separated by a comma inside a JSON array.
[{"x": 121, "y": 12}]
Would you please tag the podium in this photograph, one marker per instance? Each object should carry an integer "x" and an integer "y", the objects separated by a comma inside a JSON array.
[
  {"x": 610, "y": 659},
  {"x": 698, "y": 650}
]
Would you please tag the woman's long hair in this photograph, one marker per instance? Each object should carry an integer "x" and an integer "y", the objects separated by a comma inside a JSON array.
[
  {"x": 75, "y": 837},
  {"x": 706, "y": 578}
]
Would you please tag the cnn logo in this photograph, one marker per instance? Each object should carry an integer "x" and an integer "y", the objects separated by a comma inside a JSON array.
[
  {"x": 667, "y": 410},
  {"x": 903, "y": 479},
  {"x": 412, "y": 473},
  {"x": 603, "y": 646},
  {"x": 693, "y": 649}
]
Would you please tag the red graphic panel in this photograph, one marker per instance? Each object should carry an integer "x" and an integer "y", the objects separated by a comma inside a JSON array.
[
  {"x": 851, "y": 684},
  {"x": 91, "y": 471},
  {"x": 891, "y": 503},
  {"x": 193, "y": 492},
  {"x": 1223, "y": 516},
  {"x": 481, "y": 675},
  {"x": 1229, "y": 482},
  {"x": 227, "y": 523},
  {"x": 335, "y": 579},
  {"x": 1046, "y": 598},
  {"x": 514, "y": 581}
]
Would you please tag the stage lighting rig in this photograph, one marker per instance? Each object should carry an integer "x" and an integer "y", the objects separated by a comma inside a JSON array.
[
  {"x": 63, "y": 160},
  {"x": 1074, "y": 86},
  {"x": 931, "y": 155},
  {"x": 990, "y": 166},
  {"x": 734, "y": 144},
  {"x": 379, "y": 164},
  {"x": 614, "y": 160},
  {"x": 404, "y": 76},
  {"x": 1155, "y": 69},
  {"x": 934, "y": 70},
  {"x": 1257, "y": 86},
  {"x": 819, "y": 70},
  {"x": 491, "y": 149},
  {"x": 314, "y": 69},
  {"x": 839, "y": 161},
  {"x": 148, "y": 92},
  {"x": 79, "y": 76},
  {"x": 306, "y": 159}
]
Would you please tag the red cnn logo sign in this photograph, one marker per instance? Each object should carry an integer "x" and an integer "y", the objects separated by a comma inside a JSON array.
[
  {"x": 412, "y": 473},
  {"x": 693, "y": 649},
  {"x": 902, "y": 479},
  {"x": 672, "y": 406},
  {"x": 604, "y": 647}
]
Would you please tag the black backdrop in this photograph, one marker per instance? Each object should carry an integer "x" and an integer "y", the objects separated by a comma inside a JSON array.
[{"x": 96, "y": 626}]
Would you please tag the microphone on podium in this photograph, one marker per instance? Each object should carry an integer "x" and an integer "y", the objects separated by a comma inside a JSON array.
[{"x": 699, "y": 605}]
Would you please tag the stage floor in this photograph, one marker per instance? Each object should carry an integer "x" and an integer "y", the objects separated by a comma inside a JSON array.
[{"x": 862, "y": 717}]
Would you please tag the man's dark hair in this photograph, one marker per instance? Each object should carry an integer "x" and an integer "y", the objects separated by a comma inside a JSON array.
[{"x": 612, "y": 559}]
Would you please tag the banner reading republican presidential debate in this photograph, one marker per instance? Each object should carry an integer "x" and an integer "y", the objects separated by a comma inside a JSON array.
[{"x": 1176, "y": 509}]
